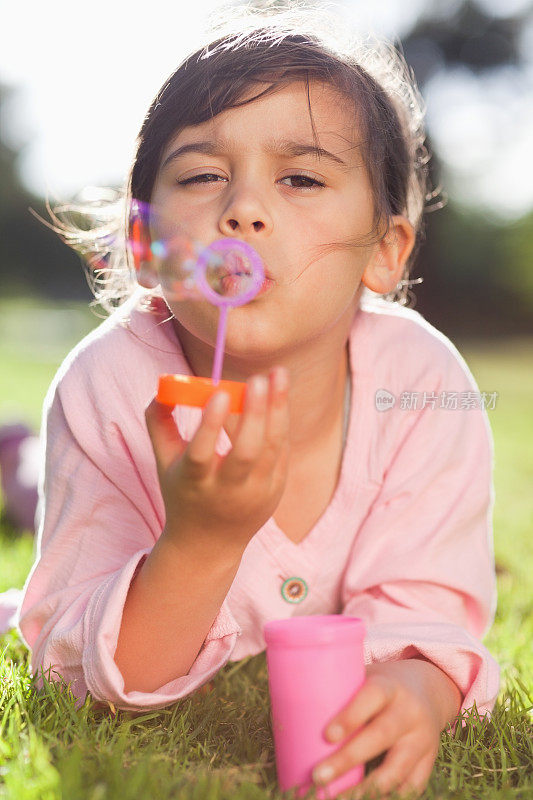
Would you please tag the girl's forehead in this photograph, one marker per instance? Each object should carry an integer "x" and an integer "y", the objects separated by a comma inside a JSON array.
[{"x": 281, "y": 116}]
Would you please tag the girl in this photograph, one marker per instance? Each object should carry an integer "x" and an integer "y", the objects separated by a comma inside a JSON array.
[{"x": 358, "y": 479}]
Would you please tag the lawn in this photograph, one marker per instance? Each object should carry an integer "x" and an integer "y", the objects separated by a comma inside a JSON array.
[{"x": 217, "y": 745}]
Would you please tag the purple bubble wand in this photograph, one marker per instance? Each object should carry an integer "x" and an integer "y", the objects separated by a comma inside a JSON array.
[
  {"x": 237, "y": 271},
  {"x": 230, "y": 256}
]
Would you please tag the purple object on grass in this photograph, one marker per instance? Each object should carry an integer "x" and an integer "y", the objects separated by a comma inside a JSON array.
[{"x": 19, "y": 471}]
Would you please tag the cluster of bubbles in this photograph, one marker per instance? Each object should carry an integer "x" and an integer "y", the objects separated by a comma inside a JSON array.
[{"x": 226, "y": 272}]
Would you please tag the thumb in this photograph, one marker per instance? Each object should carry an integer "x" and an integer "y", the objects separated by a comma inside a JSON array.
[{"x": 167, "y": 443}]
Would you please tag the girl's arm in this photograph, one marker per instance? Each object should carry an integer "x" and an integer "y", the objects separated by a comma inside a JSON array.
[
  {"x": 170, "y": 608},
  {"x": 421, "y": 571},
  {"x": 421, "y": 575},
  {"x": 110, "y": 591},
  {"x": 214, "y": 506},
  {"x": 102, "y": 516}
]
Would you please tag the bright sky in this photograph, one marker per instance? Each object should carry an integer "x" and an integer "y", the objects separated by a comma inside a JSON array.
[{"x": 85, "y": 75}]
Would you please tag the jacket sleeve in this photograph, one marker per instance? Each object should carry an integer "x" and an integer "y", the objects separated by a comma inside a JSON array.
[
  {"x": 421, "y": 571},
  {"x": 101, "y": 514}
]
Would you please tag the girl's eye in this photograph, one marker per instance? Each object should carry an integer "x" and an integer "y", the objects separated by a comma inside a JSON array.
[
  {"x": 311, "y": 182},
  {"x": 196, "y": 178}
]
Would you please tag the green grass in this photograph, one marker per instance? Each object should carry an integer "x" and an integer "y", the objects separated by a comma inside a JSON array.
[
  {"x": 34, "y": 339},
  {"x": 219, "y": 745}
]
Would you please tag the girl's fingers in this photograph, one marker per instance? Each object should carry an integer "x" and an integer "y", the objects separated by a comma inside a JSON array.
[
  {"x": 277, "y": 426},
  {"x": 402, "y": 771},
  {"x": 262, "y": 431},
  {"x": 419, "y": 777},
  {"x": 167, "y": 443},
  {"x": 265, "y": 433},
  {"x": 395, "y": 769},
  {"x": 360, "y": 743},
  {"x": 250, "y": 433},
  {"x": 375, "y": 738},
  {"x": 198, "y": 458},
  {"x": 375, "y": 694}
]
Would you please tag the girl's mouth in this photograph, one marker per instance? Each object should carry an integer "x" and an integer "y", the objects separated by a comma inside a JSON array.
[
  {"x": 237, "y": 283},
  {"x": 265, "y": 286},
  {"x": 234, "y": 283}
]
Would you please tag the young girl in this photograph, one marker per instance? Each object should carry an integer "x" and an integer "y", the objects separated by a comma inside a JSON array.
[{"x": 358, "y": 479}]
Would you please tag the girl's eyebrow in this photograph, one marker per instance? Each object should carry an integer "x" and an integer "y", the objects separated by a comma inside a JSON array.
[{"x": 286, "y": 147}]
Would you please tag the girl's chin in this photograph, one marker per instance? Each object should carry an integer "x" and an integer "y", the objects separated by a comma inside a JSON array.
[{"x": 246, "y": 335}]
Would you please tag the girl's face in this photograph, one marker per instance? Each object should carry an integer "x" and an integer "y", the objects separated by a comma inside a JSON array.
[{"x": 251, "y": 173}]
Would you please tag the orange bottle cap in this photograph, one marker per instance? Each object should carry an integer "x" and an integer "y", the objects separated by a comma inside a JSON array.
[{"x": 190, "y": 390}]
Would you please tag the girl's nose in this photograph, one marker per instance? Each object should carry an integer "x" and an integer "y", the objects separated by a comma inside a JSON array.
[
  {"x": 257, "y": 225},
  {"x": 245, "y": 215}
]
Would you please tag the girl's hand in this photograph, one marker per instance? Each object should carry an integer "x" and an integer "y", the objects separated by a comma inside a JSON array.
[
  {"x": 224, "y": 500},
  {"x": 402, "y": 708}
]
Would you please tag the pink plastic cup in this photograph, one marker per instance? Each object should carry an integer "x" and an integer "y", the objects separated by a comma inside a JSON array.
[{"x": 315, "y": 667}]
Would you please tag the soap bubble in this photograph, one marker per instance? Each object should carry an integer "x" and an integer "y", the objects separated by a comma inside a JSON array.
[
  {"x": 229, "y": 272},
  {"x": 226, "y": 272}
]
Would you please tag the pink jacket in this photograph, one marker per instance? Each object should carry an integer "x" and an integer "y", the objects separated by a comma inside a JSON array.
[{"x": 405, "y": 544}]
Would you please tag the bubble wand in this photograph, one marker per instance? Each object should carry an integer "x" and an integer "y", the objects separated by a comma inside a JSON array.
[{"x": 228, "y": 273}]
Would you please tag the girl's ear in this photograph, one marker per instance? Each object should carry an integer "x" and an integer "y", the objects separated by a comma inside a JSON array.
[{"x": 385, "y": 269}]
